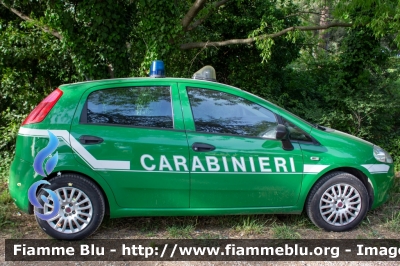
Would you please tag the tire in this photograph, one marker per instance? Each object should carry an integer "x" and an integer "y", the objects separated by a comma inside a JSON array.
[
  {"x": 82, "y": 207},
  {"x": 338, "y": 202}
]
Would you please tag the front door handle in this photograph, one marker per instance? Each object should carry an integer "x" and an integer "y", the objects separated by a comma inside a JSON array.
[
  {"x": 85, "y": 139},
  {"x": 197, "y": 146}
]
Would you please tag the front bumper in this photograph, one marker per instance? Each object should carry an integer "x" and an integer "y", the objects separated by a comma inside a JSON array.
[{"x": 382, "y": 183}]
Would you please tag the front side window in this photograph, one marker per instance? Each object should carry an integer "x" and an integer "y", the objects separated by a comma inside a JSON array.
[
  {"x": 224, "y": 113},
  {"x": 131, "y": 106}
]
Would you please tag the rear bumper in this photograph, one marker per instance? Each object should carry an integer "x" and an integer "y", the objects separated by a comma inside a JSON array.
[{"x": 21, "y": 177}]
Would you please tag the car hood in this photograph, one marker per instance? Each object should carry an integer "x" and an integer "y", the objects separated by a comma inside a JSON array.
[{"x": 341, "y": 137}]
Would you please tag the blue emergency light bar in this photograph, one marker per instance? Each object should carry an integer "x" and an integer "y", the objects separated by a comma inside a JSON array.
[{"x": 157, "y": 69}]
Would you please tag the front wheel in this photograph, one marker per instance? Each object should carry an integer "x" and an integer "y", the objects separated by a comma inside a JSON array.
[
  {"x": 81, "y": 211},
  {"x": 338, "y": 202}
]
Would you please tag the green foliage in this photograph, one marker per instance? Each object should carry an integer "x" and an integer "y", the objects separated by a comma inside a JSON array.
[
  {"x": 359, "y": 92},
  {"x": 258, "y": 68},
  {"x": 275, "y": 17},
  {"x": 354, "y": 90},
  {"x": 6, "y": 207},
  {"x": 31, "y": 65},
  {"x": 94, "y": 34},
  {"x": 381, "y": 17}
]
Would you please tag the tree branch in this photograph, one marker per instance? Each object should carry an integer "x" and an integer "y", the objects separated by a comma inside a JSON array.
[
  {"x": 191, "y": 14},
  {"x": 299, "y": 13},
  {"x": 26, "y": 18},
  {"x": 199, "y": 21},
  {"x": 193, "y": 45}
]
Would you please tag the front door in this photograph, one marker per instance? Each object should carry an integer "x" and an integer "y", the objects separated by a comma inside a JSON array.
[{"x": 235, "y": 160}]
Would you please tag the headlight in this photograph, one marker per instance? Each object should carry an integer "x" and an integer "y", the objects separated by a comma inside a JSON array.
[{"x": 382, "y": 155}]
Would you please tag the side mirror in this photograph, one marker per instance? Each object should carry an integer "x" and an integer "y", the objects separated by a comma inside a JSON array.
[
  {"x": 281, "y": 134},
  {"x": 281, "y": 131}
]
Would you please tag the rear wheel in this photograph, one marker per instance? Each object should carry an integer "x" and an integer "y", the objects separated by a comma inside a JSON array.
[
  {"x": 338, "y": 202},
  {"x": 81, "y": 211}
]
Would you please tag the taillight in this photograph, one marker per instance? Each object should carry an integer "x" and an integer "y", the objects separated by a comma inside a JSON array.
[{"x": 43, "y": 108}]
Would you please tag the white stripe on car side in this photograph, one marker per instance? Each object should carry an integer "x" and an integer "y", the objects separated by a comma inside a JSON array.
[
  {"x": 376, "y": 168},
  {"x": 314, "y": 168},
  {"x": 74, "y": 144},
  {"x": 125, "y": 165}
]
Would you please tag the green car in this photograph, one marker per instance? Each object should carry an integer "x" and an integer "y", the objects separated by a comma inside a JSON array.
[{"x": 177, "y": 147}]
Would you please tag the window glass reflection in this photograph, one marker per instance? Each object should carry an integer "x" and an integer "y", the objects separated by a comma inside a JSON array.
[
  {"x": 133, "y": 106},
  {"x": 220, "y": 112}
]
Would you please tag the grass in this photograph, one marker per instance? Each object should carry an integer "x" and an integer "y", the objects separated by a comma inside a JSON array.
[
  {"x": 300, "y": 221},
  {"x": 383, "y": 222},
  {"x": 393, "y": 222},
  {"x": 285, "y": 232},
  {"x": 250, "y": 225},
  {"x": 9, "y": 220},
  {"x": 180, "y": 231},
  {"x": 6, "y": 206},
  {"x": 389, "y": 214}
]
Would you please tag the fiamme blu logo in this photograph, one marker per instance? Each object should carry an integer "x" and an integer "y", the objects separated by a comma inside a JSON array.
[{"x": 44, "y": 163}]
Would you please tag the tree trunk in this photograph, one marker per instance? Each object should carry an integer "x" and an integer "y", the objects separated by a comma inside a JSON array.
[{"x": 323, "y": 33}]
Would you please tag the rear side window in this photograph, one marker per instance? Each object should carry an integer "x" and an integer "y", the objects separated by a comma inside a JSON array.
[
  {"x": 132, "y": 106},
  {"x": 220, "y": 112}
]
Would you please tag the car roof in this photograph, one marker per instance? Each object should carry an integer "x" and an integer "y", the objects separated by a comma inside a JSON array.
[
  {"x": 92, "y": 83},
  {"x": 117, "y": 81}
]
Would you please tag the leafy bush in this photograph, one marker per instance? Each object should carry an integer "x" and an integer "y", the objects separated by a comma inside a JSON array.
[{"x": 354, "y": 90}]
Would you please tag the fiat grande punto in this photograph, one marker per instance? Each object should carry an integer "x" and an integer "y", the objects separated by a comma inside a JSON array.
[{"x": 174, "y": 147}]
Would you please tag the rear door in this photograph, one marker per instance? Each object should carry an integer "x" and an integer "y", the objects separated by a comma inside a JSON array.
[
  {"x": 235, "y": 160},
  {"x": 132, "y": 134}
]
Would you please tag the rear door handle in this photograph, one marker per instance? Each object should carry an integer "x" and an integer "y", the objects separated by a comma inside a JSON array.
[
  {"x": 197, "y": 146},
  {"x": 85, "y": 139}
]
